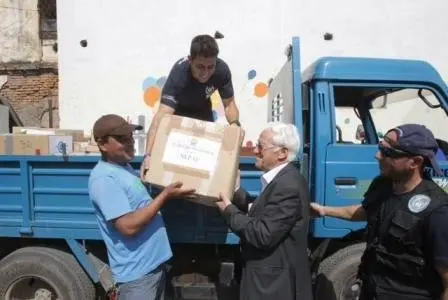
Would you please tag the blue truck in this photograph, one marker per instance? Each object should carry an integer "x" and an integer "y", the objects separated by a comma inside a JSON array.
[{"x": 51, "y": 247}]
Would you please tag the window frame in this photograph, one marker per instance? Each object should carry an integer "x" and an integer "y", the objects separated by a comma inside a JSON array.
[{"x": 365, "y": 114}]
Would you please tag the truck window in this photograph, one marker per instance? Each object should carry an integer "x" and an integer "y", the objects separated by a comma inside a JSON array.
[
  {"x": 364, "y": 114},
  {"x": 408, "y": 105},
  {"x": 349, "y": 128},
  {"x": 348, "y": 124}
]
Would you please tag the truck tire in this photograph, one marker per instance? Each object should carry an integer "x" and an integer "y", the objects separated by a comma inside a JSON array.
[
  {"x": 43, "y": 273},
  {"x": 337, "y": 274}
]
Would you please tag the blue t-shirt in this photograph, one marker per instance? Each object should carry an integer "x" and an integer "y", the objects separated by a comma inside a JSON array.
[{"x": 115, "y": 191}]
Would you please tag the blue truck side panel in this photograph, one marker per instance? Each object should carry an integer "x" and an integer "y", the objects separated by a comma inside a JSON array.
[{"x": 47, "y": 197}]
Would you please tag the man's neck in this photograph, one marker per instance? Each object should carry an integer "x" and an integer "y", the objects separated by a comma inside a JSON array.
[{"x": 406, "y": 185}]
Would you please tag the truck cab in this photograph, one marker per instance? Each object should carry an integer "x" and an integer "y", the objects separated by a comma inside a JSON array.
[{"x": 342, "y": 107}]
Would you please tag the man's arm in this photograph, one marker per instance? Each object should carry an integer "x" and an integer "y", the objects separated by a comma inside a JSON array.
[
  {"x": 437, "y": 239},
  {"x": 113, "y": 203},
  {"x": 131, "y": 223},
  {"x": 281, "y": 212},
  {"x": 168, "y": 101},
  {"x": 162, "y": 111},
  {"x": 444, "y": 275},
  {"x": 240, "y": 200},
  {"x": 151, "y": 136},
  {"x": 231, "y": 110},
  {"x": 351, "y": 213},
  {"x": 227, "y": 95}
]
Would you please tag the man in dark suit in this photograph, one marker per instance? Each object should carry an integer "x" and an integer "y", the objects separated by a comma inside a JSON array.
[{"x": 273, "y": 231}]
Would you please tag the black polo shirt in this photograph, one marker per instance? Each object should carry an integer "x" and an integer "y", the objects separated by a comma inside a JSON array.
[{"x": 191, "y": 98}]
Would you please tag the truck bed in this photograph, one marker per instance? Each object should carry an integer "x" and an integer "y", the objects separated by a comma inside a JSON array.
[{"x": 47, "y": 197}]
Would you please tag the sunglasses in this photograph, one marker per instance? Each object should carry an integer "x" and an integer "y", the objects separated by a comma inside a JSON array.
[
  {"x": 392, "y": 152},
  {"x": 122, "y": 139}
]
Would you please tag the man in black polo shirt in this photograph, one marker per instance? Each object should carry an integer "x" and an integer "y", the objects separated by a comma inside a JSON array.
[
  {"x": 407, "y": 221},
  {"x": 190, "y": 83}
]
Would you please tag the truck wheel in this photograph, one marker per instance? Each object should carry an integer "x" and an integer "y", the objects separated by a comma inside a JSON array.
[
  {"x": 43, "y": 274},
  {"x": 337, "y": 274}
]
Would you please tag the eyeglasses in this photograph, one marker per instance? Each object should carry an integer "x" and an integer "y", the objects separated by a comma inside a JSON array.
[
  {"x": 392, "y": 152},
  {"x": 123, "y": 139},
  {"x": 260, "y": 147}
]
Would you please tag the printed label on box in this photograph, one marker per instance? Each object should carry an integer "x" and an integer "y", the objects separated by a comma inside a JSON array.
[{"x": 190, "y": 151}]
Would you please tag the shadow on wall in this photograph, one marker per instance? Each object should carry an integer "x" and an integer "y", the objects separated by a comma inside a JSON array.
[{"x": 38, "y": 114}]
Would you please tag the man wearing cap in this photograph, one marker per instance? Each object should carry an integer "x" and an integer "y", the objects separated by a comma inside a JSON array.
[
  {"x": 406, "y": 256},
  {"x": 129, "y": 219},
  {"x": 189, "y": 87}
]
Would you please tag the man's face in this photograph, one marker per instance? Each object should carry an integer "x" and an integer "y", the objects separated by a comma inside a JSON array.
[
  {"x": 394, "y": 163},
  {"x": 268, "y": 156},
  {"x": 202, "y": 68},
  {"x": 119, "y": 149}
]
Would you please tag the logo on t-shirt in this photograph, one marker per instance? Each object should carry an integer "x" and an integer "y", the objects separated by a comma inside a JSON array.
[
  {"x": 209, "y": 90},
  {"x": 418, "y": 203}
]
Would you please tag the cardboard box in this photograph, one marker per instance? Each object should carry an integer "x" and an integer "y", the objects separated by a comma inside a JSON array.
[
  {"x": 78, "y": 135},
  {"x": 85, "y": 147},
  {"x": 27, "y": 144},
  {"x": 203, "y": 155}
]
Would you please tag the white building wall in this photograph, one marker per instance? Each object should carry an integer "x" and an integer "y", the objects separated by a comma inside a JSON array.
[
  {"x": 19, "y": 31},
  {"x": 132, "y": 45}
]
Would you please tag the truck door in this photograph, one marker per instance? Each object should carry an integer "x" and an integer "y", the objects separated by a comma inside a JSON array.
[{"x": 361, "y": 116}]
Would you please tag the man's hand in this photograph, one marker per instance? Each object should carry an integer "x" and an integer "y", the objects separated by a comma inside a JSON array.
[
  {"x": 175, "y": 190},
  {"x": 317, "y": 210},
  {"x": 223, "y": 203},
  {"x": 144, "y": 167}
]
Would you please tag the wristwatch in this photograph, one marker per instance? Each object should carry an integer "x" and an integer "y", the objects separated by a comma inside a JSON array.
[{"x": 236, "y": 122}]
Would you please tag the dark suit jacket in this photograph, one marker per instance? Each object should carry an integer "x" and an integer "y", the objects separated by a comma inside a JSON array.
[{"x": 274, "y": 239}]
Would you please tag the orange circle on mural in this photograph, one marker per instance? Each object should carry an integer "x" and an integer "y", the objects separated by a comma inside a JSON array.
[
  {"x": 152, "y": 95},
  {"x": 261, "y": 89}
]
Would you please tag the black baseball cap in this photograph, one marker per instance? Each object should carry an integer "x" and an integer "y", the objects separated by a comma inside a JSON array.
[
  {"x": 111, "y": 124},
  {"x": 418, "y": 140}
]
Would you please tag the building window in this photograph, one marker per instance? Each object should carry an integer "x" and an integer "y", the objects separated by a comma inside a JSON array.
[{"x": 47, "y": 15}]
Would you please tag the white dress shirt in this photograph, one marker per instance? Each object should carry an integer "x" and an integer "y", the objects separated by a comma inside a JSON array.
[
  {"x": 267, "y": 177},
  {"x": 270, "y": 175}
]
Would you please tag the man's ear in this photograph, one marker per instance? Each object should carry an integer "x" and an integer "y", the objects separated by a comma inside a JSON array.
[
  {"x": 417, "y": 162},
  {"x": 101, "y": 144},
  {"x": 283, "y": 154}
]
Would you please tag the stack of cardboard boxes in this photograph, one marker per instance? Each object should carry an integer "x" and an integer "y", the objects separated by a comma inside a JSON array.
[{"x": 45, "y": 141}]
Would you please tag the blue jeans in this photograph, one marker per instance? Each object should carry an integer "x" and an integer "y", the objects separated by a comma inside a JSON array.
[{"x": 149, "y": 287}]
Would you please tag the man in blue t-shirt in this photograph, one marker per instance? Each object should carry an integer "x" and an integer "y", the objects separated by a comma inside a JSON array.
[
  {"x": 189, "y": 86},
  {"x": 129, "y": 219}
]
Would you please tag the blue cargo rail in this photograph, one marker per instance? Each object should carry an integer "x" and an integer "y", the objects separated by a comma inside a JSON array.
[{"x": 47, "y": 197}]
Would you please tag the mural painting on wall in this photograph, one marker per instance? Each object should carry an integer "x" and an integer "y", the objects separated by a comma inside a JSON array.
[{"x": 152, "y": 91}]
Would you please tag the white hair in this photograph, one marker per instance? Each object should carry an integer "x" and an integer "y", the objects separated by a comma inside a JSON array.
[{"x": 286, "y": 135}]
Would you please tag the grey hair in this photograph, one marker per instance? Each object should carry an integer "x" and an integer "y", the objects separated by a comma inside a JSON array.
[{"x": 286, "y": 135}]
